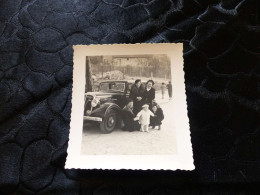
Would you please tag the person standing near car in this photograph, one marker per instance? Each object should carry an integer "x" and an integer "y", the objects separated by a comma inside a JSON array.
[
  {"x": 149, "y": 93},
  {"x": 136, "y": 94}
]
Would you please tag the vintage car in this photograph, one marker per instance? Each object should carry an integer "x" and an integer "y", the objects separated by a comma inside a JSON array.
[{"x": 104, "y": 106}]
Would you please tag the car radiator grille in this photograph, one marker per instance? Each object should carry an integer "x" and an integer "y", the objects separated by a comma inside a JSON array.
[
  {"x": 89, "y": 98},
  {"x": 88, "y": 105}
]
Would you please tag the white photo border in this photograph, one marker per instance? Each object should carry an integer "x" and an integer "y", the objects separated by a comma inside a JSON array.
[{"x": 183, "y": 160}]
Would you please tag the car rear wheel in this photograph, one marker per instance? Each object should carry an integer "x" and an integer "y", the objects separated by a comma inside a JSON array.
[{"x": 109, "y": 122}]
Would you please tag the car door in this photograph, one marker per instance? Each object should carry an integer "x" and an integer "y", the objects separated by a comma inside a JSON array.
[{"x": 122, "y": 97}]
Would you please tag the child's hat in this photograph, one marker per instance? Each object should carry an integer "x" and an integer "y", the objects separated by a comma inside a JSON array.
[{"x": 145, "y": 105}]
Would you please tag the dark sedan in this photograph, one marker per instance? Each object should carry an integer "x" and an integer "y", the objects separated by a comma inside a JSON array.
[{"x": 104, "y": 106}]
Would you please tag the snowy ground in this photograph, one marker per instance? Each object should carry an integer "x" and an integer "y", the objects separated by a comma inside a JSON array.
[{"x": 156, "y": 142}]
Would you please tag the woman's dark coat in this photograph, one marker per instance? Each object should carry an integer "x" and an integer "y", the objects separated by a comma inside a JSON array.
[
  {"x": 169, "y": 87},
  {"x": 149, "y": 96},
  {"x": 128, "y": 119},
  {"x": 134, "y": 93},
  {"x": 157, "y": 119}
]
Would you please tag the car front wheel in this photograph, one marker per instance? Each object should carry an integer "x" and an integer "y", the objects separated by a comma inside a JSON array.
[{"x": 109, "y": 122}]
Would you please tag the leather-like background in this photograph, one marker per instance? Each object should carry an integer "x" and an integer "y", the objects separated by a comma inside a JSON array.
[{"x": 221, "y": 56}]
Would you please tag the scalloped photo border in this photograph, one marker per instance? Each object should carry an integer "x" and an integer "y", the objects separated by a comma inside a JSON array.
[{"x": 182, "y": 160}]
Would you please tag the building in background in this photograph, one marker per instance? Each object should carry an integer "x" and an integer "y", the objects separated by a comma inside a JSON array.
[{"x": 150, "y": 66}]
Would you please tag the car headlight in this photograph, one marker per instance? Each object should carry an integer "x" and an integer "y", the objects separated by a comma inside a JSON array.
[{"x": 95, "y": 102}]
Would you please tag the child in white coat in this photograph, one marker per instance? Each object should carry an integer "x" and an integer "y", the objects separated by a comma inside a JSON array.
[{"x": 144, "y": 118}]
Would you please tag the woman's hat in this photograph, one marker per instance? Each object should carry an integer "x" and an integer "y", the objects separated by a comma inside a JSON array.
[{"x": 145, "y": 106}]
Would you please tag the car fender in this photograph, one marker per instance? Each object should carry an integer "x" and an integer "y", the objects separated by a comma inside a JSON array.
[
  {"x": 112, "y": 106},
  {"x": 104, "y": 108}
]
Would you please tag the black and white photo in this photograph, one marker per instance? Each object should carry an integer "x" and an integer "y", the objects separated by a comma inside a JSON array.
[
  {"x": 125, "y": 96},
  {"x": 129, "y": 108}
]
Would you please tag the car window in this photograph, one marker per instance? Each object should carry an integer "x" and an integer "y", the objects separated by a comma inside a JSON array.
[
  {"x": 95, "y": 88},
  {"x": 129, "y": 87},
  {"x": 112, "y": 87}
]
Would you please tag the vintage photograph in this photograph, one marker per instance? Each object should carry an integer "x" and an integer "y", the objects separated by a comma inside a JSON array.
[
  {"x": 125, "y": 97},
  {"x": 129, "y": 108}
]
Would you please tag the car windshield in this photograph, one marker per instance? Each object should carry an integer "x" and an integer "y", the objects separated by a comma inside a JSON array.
[{"x": 112, "y": 87}]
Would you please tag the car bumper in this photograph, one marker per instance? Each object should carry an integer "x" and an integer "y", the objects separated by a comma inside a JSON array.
[{"x": 91, "y": 118}]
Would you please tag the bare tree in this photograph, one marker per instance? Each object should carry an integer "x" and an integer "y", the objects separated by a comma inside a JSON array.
[{"x": 89, "y": 81}]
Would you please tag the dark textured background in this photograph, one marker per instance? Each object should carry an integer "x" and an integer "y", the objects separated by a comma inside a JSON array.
[{"x": 222, "y": 81}]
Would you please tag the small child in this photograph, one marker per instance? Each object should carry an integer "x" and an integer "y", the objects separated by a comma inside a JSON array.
[{"x": 144, "y": 118}]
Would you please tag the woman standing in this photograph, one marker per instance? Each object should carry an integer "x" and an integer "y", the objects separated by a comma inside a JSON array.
[
  {"x": 149, "y": 93},
  {"x": 136, "y": 94},
  {"x": 169, "y": 87}
]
